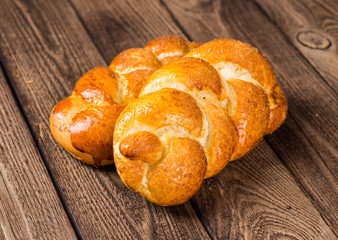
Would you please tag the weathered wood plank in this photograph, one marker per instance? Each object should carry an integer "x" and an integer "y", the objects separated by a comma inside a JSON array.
[
  {"x": 29, "y": 204},
  {"x": 219, "y": 208},
  {"x": 45, "y": 49},
  {"x": 276, "y": 209},
  {"x": 307, "y": 143},
  {"x": 115, "y": 26},
  {"x": 317, "y": 22}
]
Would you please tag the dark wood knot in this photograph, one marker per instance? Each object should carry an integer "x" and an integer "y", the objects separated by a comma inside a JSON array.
[{"x": 313, "y": 40}]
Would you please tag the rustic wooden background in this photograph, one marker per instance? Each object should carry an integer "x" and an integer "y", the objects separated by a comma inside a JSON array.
[{"x": 285, "y": 189}]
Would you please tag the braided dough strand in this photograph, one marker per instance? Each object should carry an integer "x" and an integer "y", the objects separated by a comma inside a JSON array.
[
  {"x": 193, "y": 116},
  {"x": 84, "y": 122}
]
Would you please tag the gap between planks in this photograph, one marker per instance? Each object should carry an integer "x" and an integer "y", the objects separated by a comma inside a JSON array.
[
  {"x": 35, "y": 141},
  {"x": 23, "y": 222}
]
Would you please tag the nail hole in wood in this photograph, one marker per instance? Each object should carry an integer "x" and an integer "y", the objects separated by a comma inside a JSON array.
[{"x": 313, "y": 40}]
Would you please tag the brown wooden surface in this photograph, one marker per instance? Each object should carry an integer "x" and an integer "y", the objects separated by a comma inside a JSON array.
[
  {"x": 285, "y": 189},
  {"x": 307, "y": 142},
  {"x": 320, "y": 17},
  {"x": 29, "y": 204},
  {"x": 257, "y": 198},
  {"x": 104, "y": 10}
]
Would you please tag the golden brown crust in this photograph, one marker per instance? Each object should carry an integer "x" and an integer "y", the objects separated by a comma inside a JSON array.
[
  {"x": 133, "y": 68},
  {"x": 143, "y": 146},
  {"x": 222, "y": 105},
  {"x": 167, "y": 44},
  {"x": 84, "y": 123},
  {"x": 278, "y": 109},
  {"x": 169, "y": 48},
  {"x": 243, "y": 54},
  {"x": 91, "y": 131},
  {"x": 131, "y": 173},
  {"x": 249, "y": 58},
  {"x": 60, "y": 118},
  {"x": 131, "y": 83},
  {"x": 161, "y": 112},
  {"x": 192, "y": 72},
  {"x": 223, "y": 139},
  {"x": 251, "y": 115},
  {"x": 166, "y": 107},
  {"x": 134, "y": 58},
  {"x": 178, "y": 177},
  {"x": 98, "y": 87},
  {"x": 193, "y": 45},
  {"x": 199, "y": 76}
]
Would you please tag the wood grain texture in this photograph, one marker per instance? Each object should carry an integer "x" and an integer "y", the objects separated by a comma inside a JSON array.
[
  {"x": 256, "y": 198},
  {"x": 224, "y": 216},
  {"x": 115, "y": 26},
  {"x": 307, "y": 142},
  {"x": 45, "y": 49},
  {"x": 320, "y": 17},
  {"x": 29, "y": 205}
]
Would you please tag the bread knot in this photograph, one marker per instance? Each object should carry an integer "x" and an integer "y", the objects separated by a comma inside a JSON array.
[{"x": 198, "y": 112}]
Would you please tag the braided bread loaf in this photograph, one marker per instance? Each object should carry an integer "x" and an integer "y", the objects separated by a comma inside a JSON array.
[
  {"x": 193, "y": 116},
  {"x": 84, "y": 122}
]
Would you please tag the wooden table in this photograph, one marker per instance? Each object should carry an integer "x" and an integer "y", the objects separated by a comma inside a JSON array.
[{"x": 285, "y": 189}]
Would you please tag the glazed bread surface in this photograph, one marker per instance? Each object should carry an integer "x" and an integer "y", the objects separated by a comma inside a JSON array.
[
  {"x": 84, "y": 122},
  {"x": 193, "y": 116}
]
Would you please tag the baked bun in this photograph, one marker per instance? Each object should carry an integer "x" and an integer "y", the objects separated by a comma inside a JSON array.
[{"x": 193, "y": 116}]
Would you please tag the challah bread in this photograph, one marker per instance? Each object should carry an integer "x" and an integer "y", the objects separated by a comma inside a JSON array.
[
  {"x": 193, "y": 116},
  {"x": 83, "y": 123}
]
